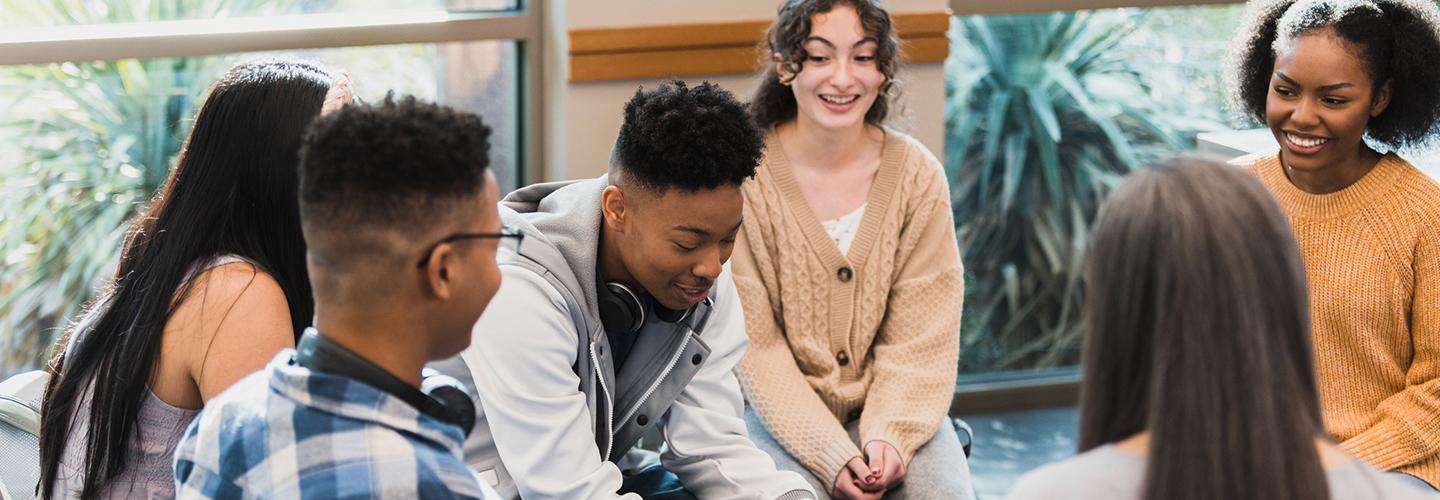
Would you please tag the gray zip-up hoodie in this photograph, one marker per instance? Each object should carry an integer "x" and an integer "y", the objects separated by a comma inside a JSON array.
[{"x": 554, "y": 415}]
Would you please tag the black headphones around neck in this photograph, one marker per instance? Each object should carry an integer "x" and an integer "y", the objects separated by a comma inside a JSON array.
[
  {"x": 623, "y": 310},
  {"x": 439, "y": 396}
]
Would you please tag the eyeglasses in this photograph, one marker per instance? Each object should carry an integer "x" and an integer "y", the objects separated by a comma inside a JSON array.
[{"x": 506, "y": 232}]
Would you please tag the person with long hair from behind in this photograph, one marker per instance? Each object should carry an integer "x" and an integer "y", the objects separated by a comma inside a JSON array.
[
  {"x": 211, "y": 284},
  {"x": 1198, "y": 377}
]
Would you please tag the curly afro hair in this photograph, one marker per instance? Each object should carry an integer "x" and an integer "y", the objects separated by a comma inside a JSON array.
[
  {"x": 687, "y": 138},
  {"x": 1396, "y": 40},
  {"x": 392, "y": 164}
]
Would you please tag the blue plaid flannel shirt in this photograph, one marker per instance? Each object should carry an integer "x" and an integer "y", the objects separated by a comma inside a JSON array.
[{"x": 288, "y": 432}]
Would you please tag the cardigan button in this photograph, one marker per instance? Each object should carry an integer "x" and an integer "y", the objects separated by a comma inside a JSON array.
[
  {"x": 845, "y": 274},
  {"x": 842, "y": 358}
]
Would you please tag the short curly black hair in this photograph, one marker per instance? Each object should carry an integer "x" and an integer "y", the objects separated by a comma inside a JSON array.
[
  {"x": 687, "y": 138},
  {"x": 397, "y": 165},
  {"x": 1396, "y": 40}
]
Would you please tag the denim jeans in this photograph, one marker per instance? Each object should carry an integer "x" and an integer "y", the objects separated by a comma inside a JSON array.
[{"x": 655, "y": 483}]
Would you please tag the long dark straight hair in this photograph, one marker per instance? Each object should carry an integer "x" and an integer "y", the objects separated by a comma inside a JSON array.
[
  {"x": 773, "y": 102},
  {"x": 232, "y": 191},
  {"x": 1198, "y": 330}
]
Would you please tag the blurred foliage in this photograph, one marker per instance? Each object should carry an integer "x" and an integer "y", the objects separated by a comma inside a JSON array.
[
  {"x": 87, "y": 144},
  {"x": 84, "y": 145},
  {"x": 1044, "y": 114}
]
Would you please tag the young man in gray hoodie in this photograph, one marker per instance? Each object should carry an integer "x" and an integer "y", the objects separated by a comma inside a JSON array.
[{"x": 618, "y": 316}]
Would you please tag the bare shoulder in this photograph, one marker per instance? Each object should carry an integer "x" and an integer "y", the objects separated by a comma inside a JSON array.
[
  {"x": 228, "y": 321},
  {"x": 239, "y": 289},
  {"x": 232, "y": 321}
]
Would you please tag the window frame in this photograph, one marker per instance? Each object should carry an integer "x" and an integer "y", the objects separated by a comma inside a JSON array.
[
  {"x": 994, "y": 7},
  {"x": 1010, "y": 391},
  {"x": 523, "y": 25}
]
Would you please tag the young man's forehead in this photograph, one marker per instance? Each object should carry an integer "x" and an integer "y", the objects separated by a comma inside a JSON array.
[{"x": 712, "y": 211}]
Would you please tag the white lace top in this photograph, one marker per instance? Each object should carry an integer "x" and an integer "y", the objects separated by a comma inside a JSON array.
[{"x": 842, "y": 230}]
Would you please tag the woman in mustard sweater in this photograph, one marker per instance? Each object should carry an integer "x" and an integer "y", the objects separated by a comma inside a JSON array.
[
  {"x": 1338, "y": 82},
  {"x": 848, "y": 268}
]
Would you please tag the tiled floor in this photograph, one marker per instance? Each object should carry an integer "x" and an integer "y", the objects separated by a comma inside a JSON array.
[{"x": 1009, "y": 444}]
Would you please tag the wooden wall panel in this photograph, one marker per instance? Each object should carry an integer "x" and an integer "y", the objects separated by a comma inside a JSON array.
[{"x": 605, "y": 54}]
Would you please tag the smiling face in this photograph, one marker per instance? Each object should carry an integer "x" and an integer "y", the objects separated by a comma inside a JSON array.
[
  {"x": 1319, "y": 103},
  {"x": 839, "y": 79},
  {"x": 674, "y": 244}
]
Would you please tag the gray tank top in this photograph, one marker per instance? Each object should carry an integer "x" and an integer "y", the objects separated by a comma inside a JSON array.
[{"x": 149, "y": 471}]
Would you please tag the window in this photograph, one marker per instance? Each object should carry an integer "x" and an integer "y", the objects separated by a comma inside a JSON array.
[
  {"x": 53, "y": 13},
  {"x": 96, "y": 97},
  {"x": 1045, "y": 112}
]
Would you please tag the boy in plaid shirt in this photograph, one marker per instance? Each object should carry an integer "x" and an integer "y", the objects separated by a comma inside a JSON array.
[{"x": 398, "y": 211}]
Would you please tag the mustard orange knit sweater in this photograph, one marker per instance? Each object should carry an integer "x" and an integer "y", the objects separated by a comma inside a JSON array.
[
  {"x": 874, "y": 333},
  {"x": 1372, "y": 260}
]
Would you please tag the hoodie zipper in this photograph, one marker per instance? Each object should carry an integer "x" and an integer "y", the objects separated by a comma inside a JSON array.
[
  {"x": 609, "y": 404},
  {"x": 656, "y": 384}
]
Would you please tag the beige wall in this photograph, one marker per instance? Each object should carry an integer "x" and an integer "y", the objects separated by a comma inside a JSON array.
[
  {"x": 615, "y": 13},
  {"x": 590, "y": 112}
]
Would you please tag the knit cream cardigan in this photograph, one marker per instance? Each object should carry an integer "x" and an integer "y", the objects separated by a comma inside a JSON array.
[{"x": 873, "y": 334}]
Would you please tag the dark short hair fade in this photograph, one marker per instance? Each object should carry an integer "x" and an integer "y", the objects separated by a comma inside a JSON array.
[{"x": 392, "y": 164}]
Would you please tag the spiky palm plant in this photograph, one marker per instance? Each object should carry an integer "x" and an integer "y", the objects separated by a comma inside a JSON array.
[{"x": 1042, "y": 119}]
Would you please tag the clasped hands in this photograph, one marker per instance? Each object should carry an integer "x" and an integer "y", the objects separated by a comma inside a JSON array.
[{"x": 869, "y": 477}]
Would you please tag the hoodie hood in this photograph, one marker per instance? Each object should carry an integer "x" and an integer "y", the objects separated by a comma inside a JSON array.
[{"x": 562, "y": 219}]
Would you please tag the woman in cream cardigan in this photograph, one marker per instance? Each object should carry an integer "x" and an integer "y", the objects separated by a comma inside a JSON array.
[{"x": 848, "y": 268}]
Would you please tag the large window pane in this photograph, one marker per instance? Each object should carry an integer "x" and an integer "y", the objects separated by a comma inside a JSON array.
[
  {"x": 1045, "y": 113},
  {"x": 44, "y": 13},
  {"x": 84, "y": 144}
]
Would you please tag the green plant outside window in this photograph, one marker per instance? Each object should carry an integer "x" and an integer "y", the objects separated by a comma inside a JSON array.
[
  {"x": 1044, "y": 113},
  {"x": 83, "y": 145}
]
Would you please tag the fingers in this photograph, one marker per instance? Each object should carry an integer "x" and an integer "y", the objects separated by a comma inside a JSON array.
[
  {"x": 845, "y": 486},
  {"x": 861, "y": 471},
  {"x": 340, "y": 94},
  {"x": 876, "y": 451},
  {"x": 858, "y": 468},
  {"x": 896, "y": 466},
  {"x": 849, "y": 489},
  {"x": 885, "y": 459}
]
